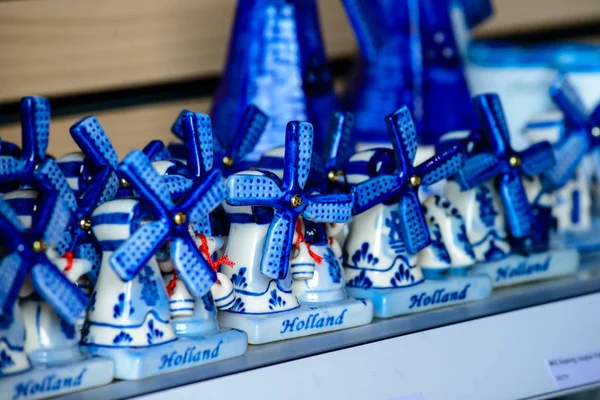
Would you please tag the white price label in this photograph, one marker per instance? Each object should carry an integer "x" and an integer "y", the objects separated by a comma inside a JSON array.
[{"x": 575, "y": 370}]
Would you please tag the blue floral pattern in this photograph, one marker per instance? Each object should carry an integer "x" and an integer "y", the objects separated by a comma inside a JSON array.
[
  {"x": 333, "y": 266},
  {"x": 92, "y": 303},
  {"x": 119, "y": 308},
  {"x": 5, "y": 360},
  {"x": 402, "y": 276},
  {"x": 487, "y": 212},
  {"x": 149, "y": 286},
  {"x": 395, "y": 238},
  {"x": 494, "y": 253},
  {"x": 239, "y": 279},
  {"x": 360, "y": 281},
  {"x": 437, "y": 244},
  {"x": 275, "y": 300},
  {"x": 153, "y": 334},
  {"x": 363, "y": 255},
  {"x": 122, "y": 337},
  {"x": 238, "y": 305}
]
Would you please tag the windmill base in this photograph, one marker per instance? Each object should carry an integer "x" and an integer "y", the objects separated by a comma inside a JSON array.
[
  {"x": 302, "y": 321},
  {"x": 43, "y": 382},
  {"x": 139, "y": 363},
  {"x": 517, "y": 269},
  {"x": 424, "y": 296}
]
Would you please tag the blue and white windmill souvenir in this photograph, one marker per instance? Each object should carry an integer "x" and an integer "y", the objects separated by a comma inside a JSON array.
[
  {"x": 392, "y": 232},
  {"x": 129, "y": 319},
  {"x": 229, "y": 158},
  {"x": 574, "y": 135},
  {"x": 494, "y": 189},
  {"x": 16, "y": 167},
  {"x": 78, "y": 241},
  {"x": 197, "y": 316},
  {"x": 40, "y": 332},
  {"x": 411, "y": 53},
  {"x": 276, "y": 60},
  {"x": 264, "y": 212}
]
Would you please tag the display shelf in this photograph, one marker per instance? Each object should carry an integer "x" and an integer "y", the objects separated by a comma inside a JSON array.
[{"x": 522, "y": 303}]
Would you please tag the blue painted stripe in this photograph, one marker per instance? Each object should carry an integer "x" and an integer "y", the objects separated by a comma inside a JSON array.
[
  {"x": 108, "y": 346},
  {"x": 390, "y": 287},
  {"x": 183, "y": 309},
  {"x": 270, "y": 162},
  {"x": 23, "y": 206},
  {"x": 251, "y": 294},
  {"x": 111, "y": 218},
  {"x": 544, "y": 124},
  {"x": 262, "y": 313},
  {"x": 224, "y": 297},
  {"x": 226, "y": 305},
  {"x": 181, "y": 301},
  {"x": 110, "y": 245},
  {"x": 260, "y": 216},
  {"x": 357, "y": 168},
  {"x": 398, "y": 258}
]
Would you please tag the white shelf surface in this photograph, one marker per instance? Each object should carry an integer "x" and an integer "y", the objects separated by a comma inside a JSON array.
[{"x": 493, "y": 349}]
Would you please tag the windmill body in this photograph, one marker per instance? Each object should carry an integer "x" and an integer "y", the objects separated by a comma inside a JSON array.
[
  {"x": 500, "y": 192},
  {"x": 265, "y": 207},
  {"x": 41, "y": 338}
]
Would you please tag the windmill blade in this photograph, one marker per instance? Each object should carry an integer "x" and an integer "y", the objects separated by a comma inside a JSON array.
[
  {"x": 403, "y": 136},
  {"x": 12, "y": 273},
  {"x": 132, "y": 255},
  {"x": 329, "y": 208},
  {"x": 156, "y": 151},
  {"x": 9, "y": 149},
  {"x": 51, "y": 219},
  {"x": 197, "y": 136},
  {"x": 476, "y": 11},
  {"x": 537, "y": 159},
  {"x": 370, "y": 33},
  {"x": 441, "y": 166},
  {"x": 278, "y": 244},
  {"x": 204, "y": 196},
  {"x": 103, "y": 188},
  {"x": 49, "y": 175},
  {"x": 568, "y": 101},
  {"x": 255, "y": 190},
  {"x": 35, "y": 127},
  {"x": 339, "y": 145},
  {"x": 144, "y": 179},
  {"x": 374, "y": 191},
  {"x": 414, "y": 227},
  {"x": 90, "y": 251},
  {"x": 477, "y": 170},
  {"x": 192, "y": 266},
  {"x": 251, "y": 127},
  {"x": 177, "y": 185},
  {"x": 491, "y": 115},
  {"x": 64, "y": 296},
  {"x": 517, "y": 209},
  {"x": 176, "y": 127},
  {"x": 595, "y": 116},
  {"x": 298, "y": 152},
  {"x": 9, "y": 218},
  {"x": 11, "y": 169},
  {"x": 93, "y": 141},
  {"x": 568, "y": 154}
]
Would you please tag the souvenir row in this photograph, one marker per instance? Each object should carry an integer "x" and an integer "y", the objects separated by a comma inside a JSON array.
[{"x": 180, "y": 255}]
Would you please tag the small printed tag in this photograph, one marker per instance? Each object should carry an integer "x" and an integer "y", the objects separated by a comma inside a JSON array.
[{"x": 575, "y": 370}]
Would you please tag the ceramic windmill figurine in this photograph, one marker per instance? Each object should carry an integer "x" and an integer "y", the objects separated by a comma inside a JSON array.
[
  {"x": 80, "y": 242},
  {"x": 264, "y": 211},
  {"x": 229, "y": 158},
  {"x": 129, "y": 319},
  {"x": 490, "y": 189},
  {"x": 16, "y": 167},
  {"x": 316, "y": 252},
  {"x": 276, "y": 60},
  {"x": 195, "y": 316},
  {"x": 574, "y": 135},
  {"x": 42, "y": 328},
  {"x": 391, "y": 233},
  {"x": 411, "y": 53}
]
